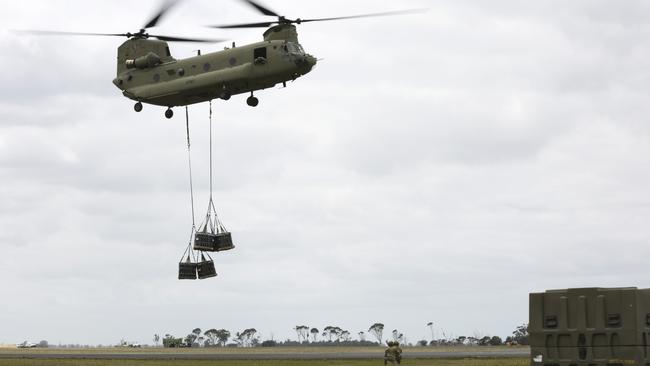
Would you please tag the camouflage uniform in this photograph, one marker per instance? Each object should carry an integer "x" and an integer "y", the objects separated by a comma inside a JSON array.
[
  {"x": 398, "y": 352},
  {"x": 393, "y": 354}
]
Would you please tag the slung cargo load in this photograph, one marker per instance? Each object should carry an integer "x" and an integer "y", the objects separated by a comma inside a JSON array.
[
  {"x": 590, "y": 326},
  {"x": 212, "y": 236},
  {"x": 187, "y": 269},
  {"x": 205, "y": 268}
]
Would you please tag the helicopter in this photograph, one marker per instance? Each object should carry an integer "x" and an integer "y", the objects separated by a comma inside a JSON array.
[{"x": 147, "y": 72}]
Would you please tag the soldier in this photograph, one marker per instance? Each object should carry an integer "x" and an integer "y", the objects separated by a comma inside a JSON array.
[
  {"x": 391, "y": 354},
  {"x": 398, "y": 352}
]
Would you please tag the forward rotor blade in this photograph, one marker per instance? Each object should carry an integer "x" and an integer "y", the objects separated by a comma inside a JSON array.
[
  {"x": 262, "y": 9},
  {"x": 245, "y": 25},
  {"x": 163, "y": 9},
  {"x": 388, "y": 13},
  {"x": 59, "y": 33},
  {"x": 181, "y": 39}
]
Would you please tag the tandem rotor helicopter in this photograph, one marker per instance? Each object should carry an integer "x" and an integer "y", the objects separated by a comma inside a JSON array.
[{"x": 147, "y": 72}]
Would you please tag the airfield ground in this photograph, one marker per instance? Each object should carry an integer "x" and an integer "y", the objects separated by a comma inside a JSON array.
[
  {"x": 317, "y": 356},
  {"x": 418, "y": 362}
]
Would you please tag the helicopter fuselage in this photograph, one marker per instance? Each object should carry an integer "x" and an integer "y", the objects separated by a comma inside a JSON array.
[{"x": 159, "y": 79}]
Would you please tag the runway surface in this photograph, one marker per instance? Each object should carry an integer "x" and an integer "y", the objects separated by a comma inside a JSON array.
[{"x": 501, "y": 353}]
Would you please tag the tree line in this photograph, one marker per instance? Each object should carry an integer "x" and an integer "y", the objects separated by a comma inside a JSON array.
[{"x": 330, "y": 336}]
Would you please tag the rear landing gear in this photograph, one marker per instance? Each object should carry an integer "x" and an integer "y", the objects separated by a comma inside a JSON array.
[
  {"x": 169, "y": 113},
  {"x": 137, "y": 107},
  {"x": 252, "y": 101}
]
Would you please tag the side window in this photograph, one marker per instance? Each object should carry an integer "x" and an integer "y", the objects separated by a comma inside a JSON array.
[{"x": 259, "y": 52}]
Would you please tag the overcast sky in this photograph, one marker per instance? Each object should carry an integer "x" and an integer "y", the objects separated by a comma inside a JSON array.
[{"x": 433, "y": 167}]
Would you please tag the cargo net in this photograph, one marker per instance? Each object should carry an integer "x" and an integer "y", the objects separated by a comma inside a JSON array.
[
  {"x": 195, "y": 263},
  {"x": 212, "y": 236}
]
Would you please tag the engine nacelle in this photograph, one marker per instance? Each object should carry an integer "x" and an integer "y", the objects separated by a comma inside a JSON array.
[{"x": 144, "y": 62}]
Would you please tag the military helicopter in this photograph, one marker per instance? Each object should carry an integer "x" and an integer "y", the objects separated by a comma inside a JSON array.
[{"x": 147, "y": 72}]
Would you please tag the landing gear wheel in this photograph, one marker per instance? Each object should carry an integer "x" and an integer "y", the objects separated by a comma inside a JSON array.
[
  {"x": 137, "y": 107},
  {"x": 252, "y": 101},
  {"x": 169, "y": 113}
]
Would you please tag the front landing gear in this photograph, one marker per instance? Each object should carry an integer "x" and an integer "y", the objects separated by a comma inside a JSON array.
[
  {"x": 252, "y": 101},
  {"x": 137, "y": 107},
  {"x": 169, "y": 113}
]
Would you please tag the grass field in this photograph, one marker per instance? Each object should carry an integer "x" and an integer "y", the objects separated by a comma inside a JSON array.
[
  {"x": 179, "y": 357},
  {"x": 416, "y": 362},
  {"x": 254, "y": 350}
]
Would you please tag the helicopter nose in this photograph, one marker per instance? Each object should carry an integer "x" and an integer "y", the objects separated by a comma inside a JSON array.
[{"x": 311, "y": 61}]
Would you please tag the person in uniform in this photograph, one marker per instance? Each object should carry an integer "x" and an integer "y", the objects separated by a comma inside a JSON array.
[
  {"x": 398, "y": 352},
  {"x": 390, "y": 355}
]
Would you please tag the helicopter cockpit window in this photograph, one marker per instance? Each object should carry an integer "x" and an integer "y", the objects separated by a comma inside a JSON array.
[{"x": 295, "y": 48}]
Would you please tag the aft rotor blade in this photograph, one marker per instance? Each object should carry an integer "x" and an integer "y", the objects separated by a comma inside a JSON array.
[
  {"x": 388, "y": 13},
  {"x": 181, "y": 39},
  {"x": 59, "y": 33},
  {"x": 245, "y": 25},
  {"x": 163, "y": 9},
  {"x": 262, "y": 9}
]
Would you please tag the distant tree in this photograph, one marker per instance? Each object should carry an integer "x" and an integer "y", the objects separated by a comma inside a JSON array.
[
  {"x": 461, "y": 340},
  {"x": 520, "y": 334},
  {"x": 338, "y": 333},
  {"x": 331, "y": 331},
  {"x": 43, "y": 344},
  {"x": 377, "y": 330},
  {"x": 422, "y": 343},
  {"x": 314, "y": 332},
  {"x": 362, "y": 336},
  {"x": 246, "y": 338},
  {"x": 344, "y": 335},
  {"x": 156, "y": 339},
  {"x": 222, "y": 336},
  {"x": 192, "y": 339},
  {"x": 239, "y": 339},
  {"x": 302, "y": 331},
  {"x": 170, "y": 341},
  {"x": 495, "y": 341},
  {"x": 430, "y": 325},
  {"x": 485, "y": 341},
  {"x": 211, "y": 338}
]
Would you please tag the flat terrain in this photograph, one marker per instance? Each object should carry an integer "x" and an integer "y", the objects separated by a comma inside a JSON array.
[
  {"x": 414, "y": 362},
  {"x": 300, "y": 356}
]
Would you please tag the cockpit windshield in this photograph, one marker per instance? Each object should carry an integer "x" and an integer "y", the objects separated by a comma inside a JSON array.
[{"x": 295, "y": 48}]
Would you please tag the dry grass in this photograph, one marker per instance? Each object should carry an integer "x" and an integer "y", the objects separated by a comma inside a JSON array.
[{"x": 416, "y": 362}]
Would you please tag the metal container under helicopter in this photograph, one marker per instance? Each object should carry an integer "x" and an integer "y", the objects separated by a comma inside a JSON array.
[
  {"x": 205, "y": 268},
  {"x": 187, "y": 270},
  {"x": 210, "y": 242},
  {"x": 212, "y": 235}
]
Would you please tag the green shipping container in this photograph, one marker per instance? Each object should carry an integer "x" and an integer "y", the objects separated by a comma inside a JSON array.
[{"x": 590, "y": 327}]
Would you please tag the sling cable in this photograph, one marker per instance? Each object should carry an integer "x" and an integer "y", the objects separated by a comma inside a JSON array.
[{"x": 211, "y": 235}]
